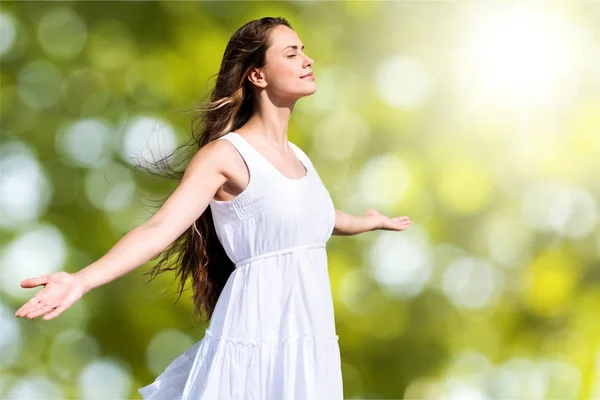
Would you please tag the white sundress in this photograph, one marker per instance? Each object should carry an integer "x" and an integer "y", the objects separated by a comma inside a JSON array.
[{"x": 272, "y": 335}]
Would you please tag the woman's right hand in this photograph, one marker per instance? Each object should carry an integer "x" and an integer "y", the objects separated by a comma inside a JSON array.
[{"x": 61, "y": 291}]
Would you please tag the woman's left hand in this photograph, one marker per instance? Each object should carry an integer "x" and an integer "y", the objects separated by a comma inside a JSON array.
[{"x": 386, "y": 223}]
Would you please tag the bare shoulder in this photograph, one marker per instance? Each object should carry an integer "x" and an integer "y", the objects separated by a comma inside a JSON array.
[
  {"x": 213, "y": 153},
  {"x": 218, "y": 156}
]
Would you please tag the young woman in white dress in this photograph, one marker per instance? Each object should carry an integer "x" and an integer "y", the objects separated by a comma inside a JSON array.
[{"x": 247, "y": 225}]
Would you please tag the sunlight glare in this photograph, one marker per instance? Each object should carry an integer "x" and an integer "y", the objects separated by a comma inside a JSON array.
[{"x": 524, "y": 56}]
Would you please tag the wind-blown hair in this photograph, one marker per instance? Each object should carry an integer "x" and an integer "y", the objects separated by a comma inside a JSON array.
[{"x": 197, "y": 253}]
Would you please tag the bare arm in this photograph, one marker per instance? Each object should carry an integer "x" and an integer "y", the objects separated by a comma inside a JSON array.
[
  {"x": 202, "y": 178},
  {"x": 347, "y": 224},
  {"x": 205, "y": 173}
]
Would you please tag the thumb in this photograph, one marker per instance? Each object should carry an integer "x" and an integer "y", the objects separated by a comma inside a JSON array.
[{"x": 33, "y": 282}]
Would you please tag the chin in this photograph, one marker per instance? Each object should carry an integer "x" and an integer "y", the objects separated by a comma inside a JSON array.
[
  {"x": 308, "y": 93},
  {"x": 304, "y": 93}
]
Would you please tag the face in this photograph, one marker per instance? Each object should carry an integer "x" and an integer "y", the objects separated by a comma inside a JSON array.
[{"x": 286, "y": 64}]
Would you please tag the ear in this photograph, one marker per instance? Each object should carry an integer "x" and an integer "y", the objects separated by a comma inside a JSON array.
[{"x": 257, "y": 78}]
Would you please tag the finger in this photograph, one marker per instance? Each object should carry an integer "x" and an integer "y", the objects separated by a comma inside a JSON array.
[
  {"x": 27, "y": 307},
  {"x": 400, "y": 225},
  {"x": 33, "y": 282},
  {"x": 33, "y": 309},
  {"x": 40, "y": 300},
  {"x": 57, "y": 311},
  {"x": 42, "y": 311},
  {"x": 43, "y": 296}
]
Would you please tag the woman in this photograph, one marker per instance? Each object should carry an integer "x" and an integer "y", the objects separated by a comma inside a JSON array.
[{"x": 248, "y": 222}]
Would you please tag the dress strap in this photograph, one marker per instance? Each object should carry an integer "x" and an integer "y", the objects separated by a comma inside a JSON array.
[
  {"x": 302, "y": 156},
  {"x": 245, "y": 150}
]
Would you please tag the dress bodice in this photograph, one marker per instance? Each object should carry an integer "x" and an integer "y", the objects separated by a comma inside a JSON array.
[{"x": 258, "y": 220}]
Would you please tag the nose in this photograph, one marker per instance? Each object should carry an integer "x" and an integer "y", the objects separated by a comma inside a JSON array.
[{"x": 308, "y": 61}]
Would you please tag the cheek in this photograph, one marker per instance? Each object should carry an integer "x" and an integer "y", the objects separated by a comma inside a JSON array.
[
  {"x": 289, "y": 67},
  {"x": 286, "y": 77}
]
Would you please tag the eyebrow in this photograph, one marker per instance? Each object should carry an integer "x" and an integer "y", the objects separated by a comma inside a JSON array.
[{"x": 294, "y": 47}]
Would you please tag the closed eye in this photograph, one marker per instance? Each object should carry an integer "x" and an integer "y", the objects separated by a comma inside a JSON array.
[{"x": 293, "y": 55}]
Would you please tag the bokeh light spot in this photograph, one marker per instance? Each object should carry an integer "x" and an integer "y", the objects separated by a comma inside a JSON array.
[
  {"x": 35, "y": 252},
  {"x": 401, "y": 262},
  {"x": 62, "y": 33},
  {"x": 164, "y": 347}
]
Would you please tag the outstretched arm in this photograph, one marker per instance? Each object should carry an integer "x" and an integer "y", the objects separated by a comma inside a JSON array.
[
  {"x": 347, "y": 224},
  {"x": 205, "y": 173}
]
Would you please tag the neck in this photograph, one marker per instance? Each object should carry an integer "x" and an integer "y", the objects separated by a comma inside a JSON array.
[{"x": 271, "y": 124}]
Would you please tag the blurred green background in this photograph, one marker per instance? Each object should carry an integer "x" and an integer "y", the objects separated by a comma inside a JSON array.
[{"x": 478, "y": 120}]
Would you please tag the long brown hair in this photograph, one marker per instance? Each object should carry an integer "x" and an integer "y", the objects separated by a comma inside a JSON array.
[{"x": 197, "y": 253}]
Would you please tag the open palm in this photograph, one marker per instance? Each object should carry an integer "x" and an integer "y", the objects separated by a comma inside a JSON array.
[
  {"x": 389, "y": 224},
  {"x": 61, "y": 291}
]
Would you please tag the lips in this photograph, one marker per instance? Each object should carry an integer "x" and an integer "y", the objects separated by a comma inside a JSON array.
[{"x": 307, "y": 75}]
